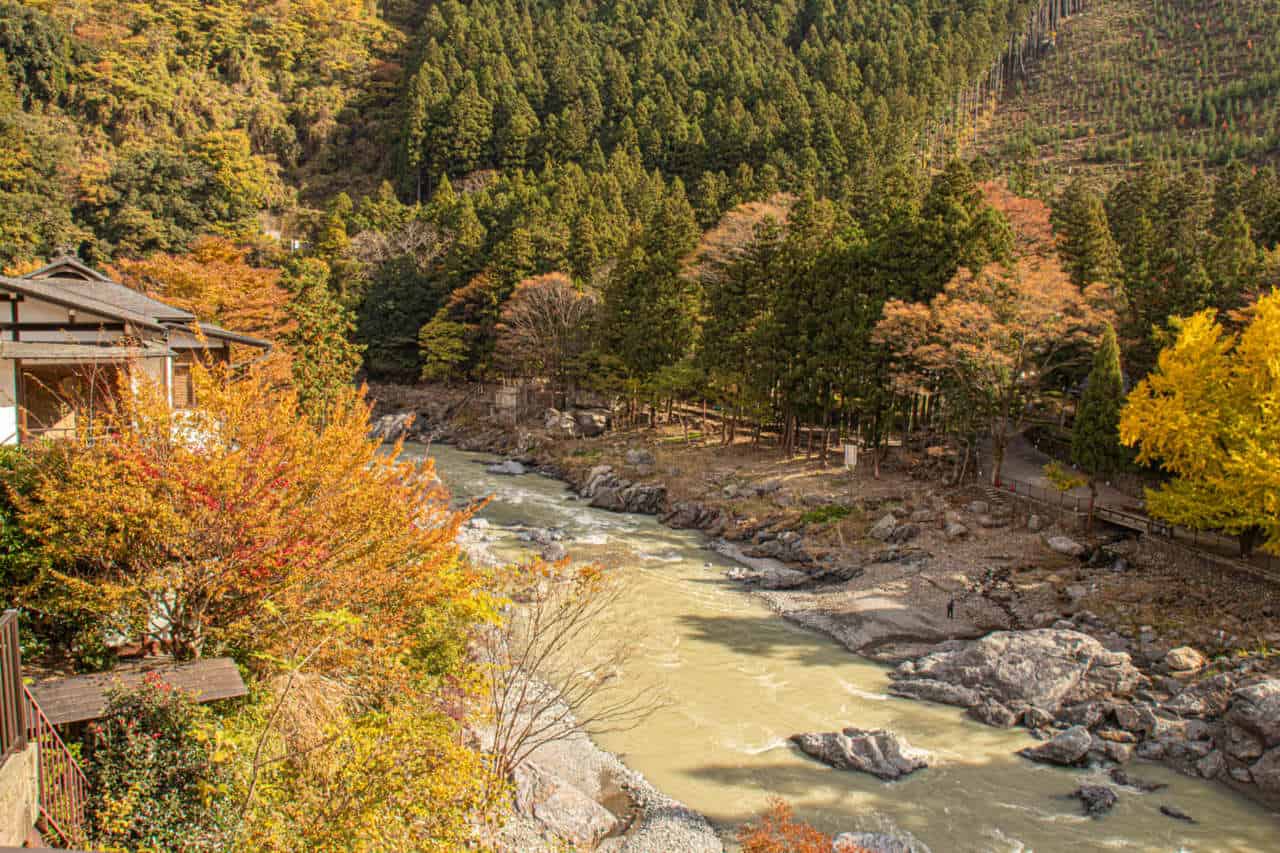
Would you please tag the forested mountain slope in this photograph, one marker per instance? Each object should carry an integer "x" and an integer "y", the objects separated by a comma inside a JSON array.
[
  {"x": 1130, "y": 81},
  {"x": 132, "y": 127}
]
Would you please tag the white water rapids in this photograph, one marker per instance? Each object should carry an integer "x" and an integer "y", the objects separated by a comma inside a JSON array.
[{"x": 740, "y": 680}]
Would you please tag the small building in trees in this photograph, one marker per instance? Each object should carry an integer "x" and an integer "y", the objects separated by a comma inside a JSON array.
[{"x": 68, "y": 331}]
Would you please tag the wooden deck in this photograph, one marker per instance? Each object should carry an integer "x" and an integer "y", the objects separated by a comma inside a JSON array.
[{"x": 84, "y": 697}]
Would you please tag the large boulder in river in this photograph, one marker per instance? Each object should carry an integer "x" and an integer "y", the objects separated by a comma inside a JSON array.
[
  {"x": 509, "y": 467},
  {"x": 391, "y": 427},
  {"x": 1097, "y": 799},
  {"x": 606, "y": 490},
  {"x": 1048, "y": 668},
  {"x": 875, "y": 751},
  {"x": 1066, "y": 749},
  {"x": 1255, "y": 710}
]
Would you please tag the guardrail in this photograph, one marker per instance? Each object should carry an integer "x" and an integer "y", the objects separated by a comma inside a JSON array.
[
  {"x": 64, "y": 790},
  {"x": 1207, "y": 546},
  {"x": 13, "y": 720}
]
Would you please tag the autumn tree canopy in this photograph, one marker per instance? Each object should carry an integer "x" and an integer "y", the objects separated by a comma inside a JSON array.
[
  {"x": 1209, "y": 414},
  {"x": 209, "y": 515},
  {"x": 995, "y": 337}
]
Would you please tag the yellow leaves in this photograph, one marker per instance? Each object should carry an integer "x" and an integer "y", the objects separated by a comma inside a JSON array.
[
  {"x": 244, "y": 510},
  {"x": 1209, "y": 414},
  {"x": 1062, "y": 479}
]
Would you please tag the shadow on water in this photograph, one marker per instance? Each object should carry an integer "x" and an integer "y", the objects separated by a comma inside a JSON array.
[
  {"x": 763, "y": 636},
  {"x": 743, "y": 680}
]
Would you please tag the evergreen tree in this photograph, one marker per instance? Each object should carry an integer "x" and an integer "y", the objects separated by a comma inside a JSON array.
[
  {"x": 324, "y": 358},
  {"x": 1095, "y": 437},
  {"x": 1085, "y": 244}
]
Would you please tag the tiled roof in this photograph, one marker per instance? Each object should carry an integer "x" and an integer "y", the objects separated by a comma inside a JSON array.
[{"x": 68, "y": 282}]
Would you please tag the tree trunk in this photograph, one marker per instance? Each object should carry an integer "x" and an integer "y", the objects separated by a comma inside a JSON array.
[
  {"x": 1093, "y": 500},
  {"x": 997, "y": 457},
  {"x": 1249, "y": 540}
]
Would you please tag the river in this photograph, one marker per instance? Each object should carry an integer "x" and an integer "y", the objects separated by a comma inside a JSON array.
[{"x": 740, "y": 680}]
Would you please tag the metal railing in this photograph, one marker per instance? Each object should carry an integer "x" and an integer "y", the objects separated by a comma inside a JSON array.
[
  {"x": 64, "y": 790},
  {"x": 63, "y": 787},
  {"x": 13, "y": 720},
  {"x": 1212, "y": 548}
]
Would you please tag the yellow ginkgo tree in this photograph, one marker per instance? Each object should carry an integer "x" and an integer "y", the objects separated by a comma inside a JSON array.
[{"x": 1209, "y": 414}]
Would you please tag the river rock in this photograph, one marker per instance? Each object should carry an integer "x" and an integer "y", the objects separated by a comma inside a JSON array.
[
  {"x": 955, "y": 530},
  {"x": 605, "y": 490},
  {"x": 1256, "y": 709},
  {"x": 1122, "y": 778},
  {"x": 1212, "y": 765},
  {"x": 1207, "y": 698},
  {"x": 591, "y": 424},
  {"x": 560, "y": 807},
  {"x": 1176, "y": 813},
  {"x": 1184, "y": 659},
  {"x": 979, "y": 507},
  {"x": 391, "y": 427},
  {"x": 509, "y": 467},
  {"x": 640, "y": 457},
  {"x": 1266, "y": 771},
  {"x": 561, "y": 424},
  {"x": 1065, "y": 545},
  {"x": 1036, "y": 718},
  {"x": 1036, "y": 523},
  {"x": 875, "y": 842},
  {"x": 883, "y": 529},
  {"x": 931, "y": 690},
  {"x": 875, "y": 751},
  {"x": 1046, "y": 667},
  {"x": 1066, "y": 748},
  {"x": 1097, "y": 799},
  {"x": 554, "y": 552},
  {"x": 993, "y": 713},
  {"x": 1087, "y": 714}
]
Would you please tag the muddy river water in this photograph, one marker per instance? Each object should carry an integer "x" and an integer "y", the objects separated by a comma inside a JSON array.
[{"x": 740, "y": 680}]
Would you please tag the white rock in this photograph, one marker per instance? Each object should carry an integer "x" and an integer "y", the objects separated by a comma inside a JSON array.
[
  {"x": 1065, "y": 545},
  {"x": 1185, "y": 659}
]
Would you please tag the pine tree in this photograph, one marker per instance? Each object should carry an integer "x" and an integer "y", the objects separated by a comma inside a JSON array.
[
  {"x": 1085, "y": 244},
  {"x": 1095, "y": 438}
]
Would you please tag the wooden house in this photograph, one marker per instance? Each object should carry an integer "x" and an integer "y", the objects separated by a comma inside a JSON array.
[{"x": 66, "y": 333}]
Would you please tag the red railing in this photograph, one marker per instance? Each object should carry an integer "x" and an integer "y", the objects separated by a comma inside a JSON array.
[
  {"x": 13, "y": 722},
  {"x": 63, "y": 786}
]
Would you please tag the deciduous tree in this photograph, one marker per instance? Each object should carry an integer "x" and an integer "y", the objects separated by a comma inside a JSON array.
[
  {"x": 1209, "y": 414},
  {"x": 995, "y": 336},
  {"x": 545, "y": 328}
]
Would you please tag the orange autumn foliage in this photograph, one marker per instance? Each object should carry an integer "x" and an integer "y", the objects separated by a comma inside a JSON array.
[
  {"x": 994, "y": 336},
  {"x": 224, "y": 518},
  {"x": 216, "y": 282},
  {"x": 778, "y": 831}
]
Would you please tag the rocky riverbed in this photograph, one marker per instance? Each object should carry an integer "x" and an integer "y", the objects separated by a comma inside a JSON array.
[{"x": 1130, "y": 698}]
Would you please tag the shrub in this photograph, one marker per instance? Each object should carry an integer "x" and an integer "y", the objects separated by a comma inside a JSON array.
[
  {"x": 825, "y": 514},
  {"x": 778, "y": 831},
  {"x": 155, "y": 774}
]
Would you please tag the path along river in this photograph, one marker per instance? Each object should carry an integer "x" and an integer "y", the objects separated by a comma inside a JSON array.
[{"x": 740, "y": 680}]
